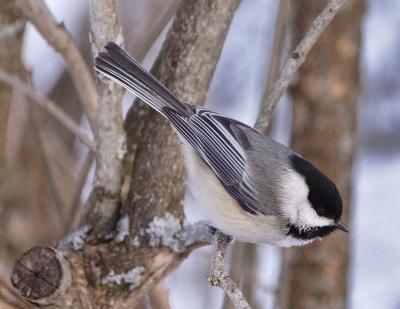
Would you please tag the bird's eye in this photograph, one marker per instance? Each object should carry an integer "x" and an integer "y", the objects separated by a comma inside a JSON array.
[{"x": 321, "y": 211}]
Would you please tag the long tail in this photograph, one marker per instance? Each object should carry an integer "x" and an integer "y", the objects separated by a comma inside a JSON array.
[{"x": 116, "y": 64}]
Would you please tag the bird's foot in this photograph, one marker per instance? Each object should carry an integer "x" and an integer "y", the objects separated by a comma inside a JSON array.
[{"x": 213, "y": 230}]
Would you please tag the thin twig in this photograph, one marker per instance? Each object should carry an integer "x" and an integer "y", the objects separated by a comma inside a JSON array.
[
  {"x": 111, "y": 135},
  {"x": 45, "y": 140},
  {"x": 235, "y": 270},
  {"x": 296, "y": 59},
  {"x": 51, "y": 168},
  {"x": 50, "y": 107},
  {"x": 76, "y": 205},
  {"x": 57, "y": 36},
  {"x": 277, "y": 50},
  {"x": 219, "y": 278}
]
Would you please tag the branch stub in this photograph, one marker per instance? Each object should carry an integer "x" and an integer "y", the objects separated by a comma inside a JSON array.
[{"x": 37, "y": 273}]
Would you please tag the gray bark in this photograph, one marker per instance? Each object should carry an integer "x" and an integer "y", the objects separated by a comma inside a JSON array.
[{"x": 111, "y": 145}]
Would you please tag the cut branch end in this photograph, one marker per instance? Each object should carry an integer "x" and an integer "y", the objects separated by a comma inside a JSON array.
[{"x": 39, "y": 273}]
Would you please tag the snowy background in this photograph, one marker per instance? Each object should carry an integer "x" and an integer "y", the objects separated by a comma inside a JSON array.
[{"x": 236, "y": 90}]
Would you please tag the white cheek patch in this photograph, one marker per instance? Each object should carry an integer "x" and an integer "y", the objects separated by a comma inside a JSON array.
[
  {"x": 294, "y": 192},
  {"x": 308, "y": 217},
  {"x": 295, "y": 204}
]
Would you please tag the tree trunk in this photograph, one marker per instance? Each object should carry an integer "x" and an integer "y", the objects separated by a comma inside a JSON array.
[{"x": 324, "y": 123}]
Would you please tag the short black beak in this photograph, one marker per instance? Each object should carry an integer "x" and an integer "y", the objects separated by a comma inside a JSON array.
[{"x": 340, "y": 226}]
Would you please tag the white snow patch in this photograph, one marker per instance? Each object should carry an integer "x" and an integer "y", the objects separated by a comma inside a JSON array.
[
  {"x": 76, "y": 238},
  {"x": 169, "y": 232},
  {"x": 131, "y": 277},
  {"x": 122, "y": 229},
  {"x": 162, "y": 231},
  {"x": 135, "y": 242}
]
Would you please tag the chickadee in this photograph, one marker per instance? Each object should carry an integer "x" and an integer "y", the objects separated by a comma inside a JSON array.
[{"x": 252, "y": 187}]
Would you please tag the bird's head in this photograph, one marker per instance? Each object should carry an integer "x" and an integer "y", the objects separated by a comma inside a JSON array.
[{"x": 315, "y": 206}]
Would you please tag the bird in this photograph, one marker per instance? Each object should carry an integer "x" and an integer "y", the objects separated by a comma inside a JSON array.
[{"x": 251, "y": 187}]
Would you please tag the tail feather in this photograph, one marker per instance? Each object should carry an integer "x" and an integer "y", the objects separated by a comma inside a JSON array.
[{"x": 122, "y": 68}]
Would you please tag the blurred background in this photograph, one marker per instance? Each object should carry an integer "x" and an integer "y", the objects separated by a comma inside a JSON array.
[{"x": 342, "y": 112}]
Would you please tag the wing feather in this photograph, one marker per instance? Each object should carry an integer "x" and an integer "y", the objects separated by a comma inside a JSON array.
[{"x": 211, "y": 135}]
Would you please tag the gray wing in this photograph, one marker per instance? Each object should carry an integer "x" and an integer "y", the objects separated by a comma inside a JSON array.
[{"x": 222, "y": 144}]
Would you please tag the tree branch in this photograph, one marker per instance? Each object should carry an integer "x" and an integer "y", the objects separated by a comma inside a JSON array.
[
  {"x": 111, "y": 145},
  {"x": 77, "y": 206},
  {"x": 242, "y": 270},
  {"x": 219, "y": 278},
  {"x": 276, "y": 56},
  {"x": 296, "y": 59},
  {"x": 45, "y": 143},
  {"x": 55, "y": 33},
  {"x": 50, "y": 107}
]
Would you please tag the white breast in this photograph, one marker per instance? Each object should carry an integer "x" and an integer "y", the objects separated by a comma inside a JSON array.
[{"x": 226, "y": 214}]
